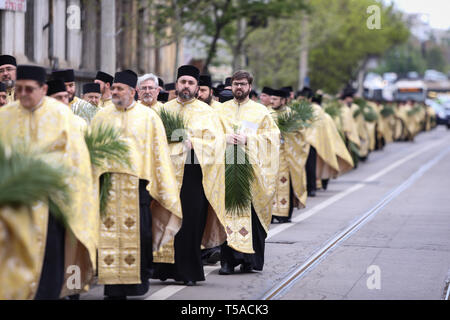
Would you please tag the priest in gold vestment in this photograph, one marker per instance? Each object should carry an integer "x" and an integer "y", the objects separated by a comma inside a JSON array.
[
  {"x": 291, "y": 179},
  {"x": 205, "y": 91},
  {"x": 250, "y": 124},
  {"x": 143, "y": 210},
  {"x": 8, "y": 69},
  {"x": 200, "y": 171},
  {"x": 36, "y": 248},
  {"x": 105, "y": 81},
  {"x": 3, "y": 95},
  {"x": 148, "y": 91}
]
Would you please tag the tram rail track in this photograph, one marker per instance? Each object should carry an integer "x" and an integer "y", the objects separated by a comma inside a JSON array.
[{"x": 299, "y": 272}]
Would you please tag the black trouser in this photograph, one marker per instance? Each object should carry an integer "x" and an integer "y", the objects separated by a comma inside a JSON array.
[
  {"x": 256, "y": 260},
  {"x": 310, "y": 167},
  {"x": 145, "y": 220},
  {"x": 52, "y": 274},
  {"x": 188, "y": 264}
]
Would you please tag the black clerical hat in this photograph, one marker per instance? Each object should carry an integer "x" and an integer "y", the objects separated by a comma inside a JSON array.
[
  {"x": 280, "y": 93},
  {"x": 288, "y": 89},
  {"x": 252, "y": 94},
  {"x": 225, "y": 95},
  {"x": 105, "y": 77},
  {"x": 160, "y": 83},
  {"x": 188, "y": 70},
  {"x": 7, "y": 59},
  {"x": 55, "y": 86},
  {"x": 317, "y": 98},
  {"x": 127, "y": 77},
  {"x": 267, "y": 91},
  {"x": 169, "y": 86},
  {"x": 205, "y": 80},
  {"x": 27, "y": 72},
  {"x": 2, "y": 87},
  {"x": 305, "y": 92},
  {"x": 228, "y": 82},
  {"x": 91, "y": 87},
  {"x": 163, "y": 96},
  {"x": 67, "y": 75},
  {"x": 348, "y": 92}
]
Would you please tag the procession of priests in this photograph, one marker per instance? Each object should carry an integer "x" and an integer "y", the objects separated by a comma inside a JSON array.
[{"x": 125, "y": 179}]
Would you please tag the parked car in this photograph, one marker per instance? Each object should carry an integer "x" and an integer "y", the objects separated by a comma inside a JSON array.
[{"x": 441, "y": 112}]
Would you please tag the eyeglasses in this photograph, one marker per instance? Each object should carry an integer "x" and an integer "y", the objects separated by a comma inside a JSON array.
[
  {"x": 9, "y": 69},
  {"x": 240, "y": 84},
  {"x": 27, "y": 89}
]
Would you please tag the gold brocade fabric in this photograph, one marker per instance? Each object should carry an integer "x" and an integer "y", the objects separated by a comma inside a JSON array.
[
  {"x": 381, "y": 129},
  {"x": 384, "y": 124},
  {"x": 348, "y": 125},
  {"x": 156, "y": 106},
  {"x": 75, "y": 100},
  {"x": 343, "y": 157},
  {"x": 105, "y": 103},
  {"x": 430, "y": 113},
  {"x": 50, "y": 130},
  {"x": 81, "y": 123},
  {"x": 215, "y": 104},
  {"x": 319, "y": 136},
  {"x": 119, "y": 248},
  {"x": 263, "y": 145},
  {"x": 18, "y": 253},
  {"x": 206, "y": 134},
  {"x": 364, "y": 138},
  {"x": 404, "y": 130},
  {"x": 144, "y": 133},
  {"x": 10, "y": 96},
  {"x": 293, "y": 155}
]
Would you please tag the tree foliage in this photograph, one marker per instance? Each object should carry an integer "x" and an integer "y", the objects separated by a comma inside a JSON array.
[
  {"x": 215, "y": 19},
  {"x": 339, "y": 43}
]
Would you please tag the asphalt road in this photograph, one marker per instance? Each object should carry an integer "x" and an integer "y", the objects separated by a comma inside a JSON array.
[{"x": 381, "y": 231}]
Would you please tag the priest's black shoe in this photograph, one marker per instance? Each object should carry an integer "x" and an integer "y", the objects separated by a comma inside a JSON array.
[
  {"x": 246, "y": 268},
  {"x": 311, "y": 193},
  {"x": 214, "y": 257},
  {"x": 190, "y": 283},
  {"x": 225, "y": 269}
]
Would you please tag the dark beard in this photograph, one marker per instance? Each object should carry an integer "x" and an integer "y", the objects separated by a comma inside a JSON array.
[
  {"x": 243, "y": 96},
  {"x": 207, "y": 100}
]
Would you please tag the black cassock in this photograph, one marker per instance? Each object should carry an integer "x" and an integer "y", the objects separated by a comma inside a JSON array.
[
  {"x": 188, "y": 264},
  {"x": 52, "y": 273},
  {"x": 310, "y": 166}
]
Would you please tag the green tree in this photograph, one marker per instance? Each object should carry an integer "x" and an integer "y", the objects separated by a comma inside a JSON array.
[
  {"x": 402, "y": 59},
  {"x": 340, "y": 59},
  {"x": 211, "y": 19},
  {"x": 435, "y": 59},
  {"x": 340, "y": 43}
]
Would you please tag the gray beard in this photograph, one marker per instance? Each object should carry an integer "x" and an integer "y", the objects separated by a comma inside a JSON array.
[
  {"x": 9, "y": 83},
  {"x": 185, "y": 96}
]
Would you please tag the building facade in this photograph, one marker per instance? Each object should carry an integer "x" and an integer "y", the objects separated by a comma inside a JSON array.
[{"x": 86, "y": 35}]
